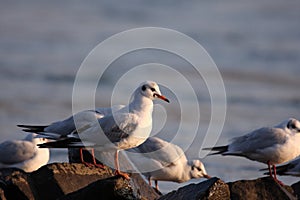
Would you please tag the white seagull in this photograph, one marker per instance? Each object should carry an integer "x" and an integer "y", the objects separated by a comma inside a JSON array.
[
  {"x": 60, "y": 129},
  {"x": 24, "y": 154},
  {"x": 270, "y": 145},
  {"x": 160, "y": 160},
  {"x": 123, "y": 129}
]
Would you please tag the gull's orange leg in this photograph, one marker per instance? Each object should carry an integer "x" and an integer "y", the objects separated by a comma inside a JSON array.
[
  {"x": 82, "y": 160},
  {"x": 156, "y": 185},
  {"x": 275, "y": 176},
  {"x": 94, "y": 160},
  {"x": 149, "y": 181},
  {"x": 117, "y": 172}
]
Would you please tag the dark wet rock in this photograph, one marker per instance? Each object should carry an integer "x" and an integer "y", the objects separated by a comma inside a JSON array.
[
  {"x": 60, "y": 179},
  {"x": 15, "y": 184},
  {"x": 296, "y": 188},
  {"x": 213, "y": 188},
  {"x": 262, "y": 188},
  {"x": 114, "y": 187},
  {"x": 66, "y": 181},
  {"x": 140, "y": 186}
]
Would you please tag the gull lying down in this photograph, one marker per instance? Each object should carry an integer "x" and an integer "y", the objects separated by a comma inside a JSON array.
[
  {"x": 160, "y": 160},
  {"x": 24, "y": 154}
]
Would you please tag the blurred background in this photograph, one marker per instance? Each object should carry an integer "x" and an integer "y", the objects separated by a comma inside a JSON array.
[{"x": 255, "y": 45}]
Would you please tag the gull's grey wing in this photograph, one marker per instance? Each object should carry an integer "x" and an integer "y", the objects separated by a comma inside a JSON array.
[
  {"x": 159, "y": 150},
  {"x": 258, "y": 140},
  {"x": 16, "y": 151},
  {"x": 109, "y": 110},
  {"x": 113, "y": 129},
  {"x": 64, "y": 127},
  {"x": 67, "y": 126},
  {"x": 118, "y": 126}
]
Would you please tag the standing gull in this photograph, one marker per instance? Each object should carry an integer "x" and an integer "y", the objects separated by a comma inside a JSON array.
[
  {"x": 60, "y": 129},
  {"x": 24, "y": 154},
  {"x": 126, "y": 128},
  {"x": 159, "y": 160},
  {"x": 270, "y": 145}
]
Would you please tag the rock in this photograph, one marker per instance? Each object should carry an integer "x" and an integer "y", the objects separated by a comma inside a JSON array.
[
  {"x": 15, "y": 184},
  {"x": 262, "y": 188},
  {"x": 296, "y": 188},
  {"x": 213, "y": 188},
  {"x": 110, "y": 188},
  {"x": 66, "y": 181},
  {"x": 57, "y": 180},
  {"x": 140, "y": 186}
]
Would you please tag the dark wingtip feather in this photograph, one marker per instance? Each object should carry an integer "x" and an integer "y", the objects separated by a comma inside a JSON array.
[
  {"x": 28, "y": 130},
  {"x": 32, "y": 128},
  {"x": 219, "y": 149},
  {"x": 64, "y": 143}
]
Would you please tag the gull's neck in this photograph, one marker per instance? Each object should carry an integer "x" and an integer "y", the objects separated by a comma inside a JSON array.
[
  {"x": 141, "y": 105},
  {"x": 185, "y": 173}
]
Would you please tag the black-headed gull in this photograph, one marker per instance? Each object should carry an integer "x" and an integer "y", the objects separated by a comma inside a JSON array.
[
  {"x": 24, "y": 154},
  {"x": 126, "y": 128},
  {"x": 160, "y": 160},
  {"x": 270, "y": 145},
  {"x": 60, "y": 129},
  {"x": 67, "y": 126}
]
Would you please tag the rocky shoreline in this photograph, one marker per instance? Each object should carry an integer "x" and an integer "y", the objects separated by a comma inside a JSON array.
[{"x": 66, "y": 181}]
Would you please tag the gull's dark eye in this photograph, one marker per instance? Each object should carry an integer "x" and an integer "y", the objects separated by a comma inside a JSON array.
[
  {"x": 291, "y": 125},
  {"x": 153, "y": 90},
  {"x": 144, "y": 87},
  {"x": 199, "y": 169}
]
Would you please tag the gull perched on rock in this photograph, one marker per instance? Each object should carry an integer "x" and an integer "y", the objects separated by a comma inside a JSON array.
[
  {"x": 61, "y": 129},
  {"x": 24, "y": 154},
  {"x": 270, "y": 145},
  {"x": 160, "y": 160},
  {"x": 125, "y": 128}
]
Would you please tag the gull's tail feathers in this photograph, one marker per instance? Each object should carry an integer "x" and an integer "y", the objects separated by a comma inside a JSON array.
[
  {"x": 219, "y": 149},
  {"x": 32, "y": 128},
  {"x": 63, "y": 143},
  {"x": 70, "y": 142}
]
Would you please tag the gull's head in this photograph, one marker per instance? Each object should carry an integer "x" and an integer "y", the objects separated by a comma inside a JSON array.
[
  {"x": 151, "y": 90},
  {"x": 198, "y": 170},
  {"x": 293, "y": 125}
]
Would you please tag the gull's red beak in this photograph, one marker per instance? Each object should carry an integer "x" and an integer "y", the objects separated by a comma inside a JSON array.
[
  {"x": 207, "y": 176},
  {"x": 162, "y": 97}
]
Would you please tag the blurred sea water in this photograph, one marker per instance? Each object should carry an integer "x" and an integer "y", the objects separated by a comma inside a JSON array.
[{"x": 255, "y": 45}]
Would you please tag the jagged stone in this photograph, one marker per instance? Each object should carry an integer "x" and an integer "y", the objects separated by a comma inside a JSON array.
[
  {"x": 110, "y": 189},
  {"x": 262, "y": 188},
  {"x": 56, "y": 180},
  {"x": 213, "y": 188},
  {"x": 64, "y": 178},
  {"x": 76, "y": 181},
  {"x": 141, "y": 186},
  {"x": 296, "y": 188},
  {"x": 15, "y": 184}
]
